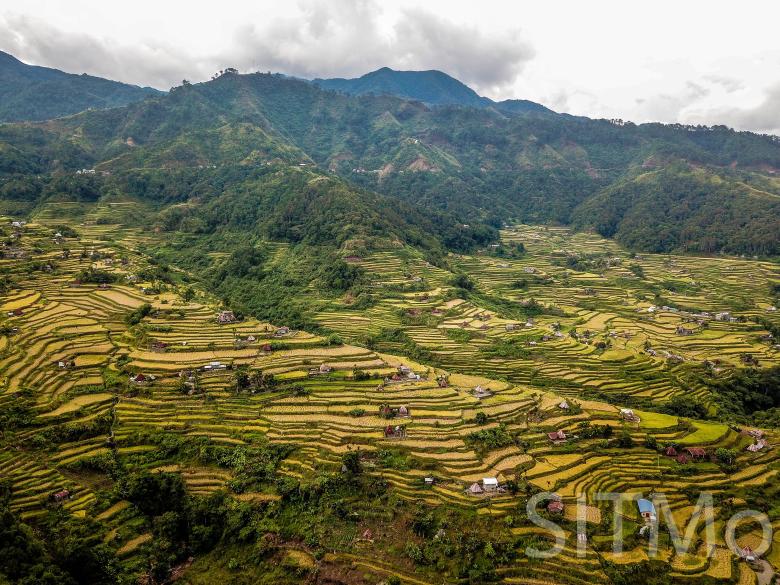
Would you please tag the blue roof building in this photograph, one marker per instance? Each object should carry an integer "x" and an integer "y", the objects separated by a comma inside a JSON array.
[{"x": 646, "y": 509}]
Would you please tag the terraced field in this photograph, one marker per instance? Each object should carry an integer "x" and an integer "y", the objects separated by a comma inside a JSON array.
[{"x": 600, "y": 337}]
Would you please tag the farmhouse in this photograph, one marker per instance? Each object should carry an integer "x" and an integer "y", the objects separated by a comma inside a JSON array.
[
  {"x": 284, "y": 330},
  {"x": 323, "y": 369},
  {"x": 138, "y": 379},
  {"x": 747, "y": 554},
  {"x": 557, "y": 437},
  {"x": 757, "y": 446},
  {"x": 489, "y": 484},
  {"x": 395, "y": 432},
  {"x": 555, "y": 507},
  {"x": 684, "y": 331},
  {"x": 475, "y": 489},
  {"x": 226, "y": 317},
  {"x": 60, "y": 496},
  {"x": 628, "y": 415},
  {"x": 480, "y": 392},
  {"x": 646, "y": 510},
  {"x": 696, "y": 452},
  {"x": 564, "y": 405},
  {"x": 213, "y": 366}
]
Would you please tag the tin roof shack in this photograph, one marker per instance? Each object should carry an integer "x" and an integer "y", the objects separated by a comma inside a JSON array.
[
  {"x": 646, "y": 510},
  {"x": 490, "y": 484}
]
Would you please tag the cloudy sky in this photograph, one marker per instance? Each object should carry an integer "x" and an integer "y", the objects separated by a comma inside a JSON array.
[{"x": 695, "y": 61}]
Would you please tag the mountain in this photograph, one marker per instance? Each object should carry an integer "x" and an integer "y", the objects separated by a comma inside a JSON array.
[
  {"x": 474, "y": 165},
  {"x": 433, "y": 88},
  {"x": 29, "y": 92}
]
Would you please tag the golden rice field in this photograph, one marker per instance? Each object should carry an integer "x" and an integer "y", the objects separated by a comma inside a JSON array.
[{"x": 52, "y": 320}]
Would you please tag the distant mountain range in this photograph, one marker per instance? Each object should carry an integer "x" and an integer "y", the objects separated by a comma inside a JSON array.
[
  {"x": 464, "y": 161},
  {"x": 434, "y": 88},
  {"x": 28, "y": 92}
]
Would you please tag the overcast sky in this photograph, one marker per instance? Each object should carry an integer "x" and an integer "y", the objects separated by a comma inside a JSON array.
[{"x": 690, "y": 61}]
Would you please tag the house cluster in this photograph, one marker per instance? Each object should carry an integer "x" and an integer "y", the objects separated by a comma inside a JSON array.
[
  {"x": 488, "y": 485},
  {"x": 395, "y": 432},
  {"x": 665, "y": 354},
  {"x": 321, "y": 371},
  {"x": 386, "y": 411},
  {"x": 242, "y": 341},
  {"x": 479, "y": 393},
  {"x": 402, "y": 374},
  {"x": 683, "y": 456},
  {"x": 681, "y": 330},
  {"x": 629, "y": 415},
  {"x": 725, "y": 316},
  {"x": 226, "y": 317},
  {"x": 214, "y": 367},
  {"x": 759, "y": 441},
  {"x": 558, "y": 437},
  {"x": 141, "y": 379},
  {"x": 15, "y": 313}
]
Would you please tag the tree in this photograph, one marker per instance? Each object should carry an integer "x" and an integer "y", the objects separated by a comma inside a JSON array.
[
  {"x": 351, "y": 461},
  {"x": 726, "y": 456}
]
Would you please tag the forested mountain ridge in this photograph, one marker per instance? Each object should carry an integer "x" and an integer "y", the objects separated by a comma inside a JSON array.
[
  {"x": 480, "y": 164},
  {"x": 434, "y": 88},
  {"x": 29, "y": 92}
]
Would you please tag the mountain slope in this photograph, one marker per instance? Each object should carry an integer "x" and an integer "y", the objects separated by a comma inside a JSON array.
[
  {"x": 28, "y": 92},
  {"x": 431, "y": 87},
  {"x": 475, "y": 164}
]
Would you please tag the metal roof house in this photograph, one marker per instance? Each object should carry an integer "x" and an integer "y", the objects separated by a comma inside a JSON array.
[{"x": 646, "y": 509}]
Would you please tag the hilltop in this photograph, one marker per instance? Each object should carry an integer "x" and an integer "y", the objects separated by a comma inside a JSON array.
[
  {"x": 28, "y": 92},
  {"x": 694, "y": 185}
]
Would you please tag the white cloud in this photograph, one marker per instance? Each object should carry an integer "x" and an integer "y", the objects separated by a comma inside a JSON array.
[{"x": 609, "y": 59}]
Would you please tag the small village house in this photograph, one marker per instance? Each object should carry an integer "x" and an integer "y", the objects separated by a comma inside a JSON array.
[
  {"x": 555, "y": 507},
  {"x": 557, "y": 437},
  {"x": 489, "y": 484},
  {"x": 628, "y": 415},
  {"x": 60, "y": 496},
  {"x": 646, "y": 510},
  {"x": 226, "y": 317}
]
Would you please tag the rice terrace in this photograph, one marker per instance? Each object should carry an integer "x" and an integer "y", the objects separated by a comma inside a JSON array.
[
  {"x": 504, "y": 309},
  {"x": 595, "y": 365}
]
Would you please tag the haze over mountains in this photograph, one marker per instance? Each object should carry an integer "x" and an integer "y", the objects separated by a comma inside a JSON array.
[{"x": 652, "y": 186}]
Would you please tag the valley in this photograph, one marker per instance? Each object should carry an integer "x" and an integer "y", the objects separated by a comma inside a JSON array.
[{"x": 110, "y": 373}]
